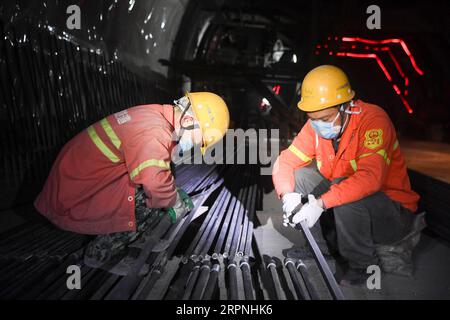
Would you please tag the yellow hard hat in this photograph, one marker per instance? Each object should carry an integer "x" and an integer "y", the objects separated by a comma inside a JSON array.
[
  {"x": 212, "y": 114},
  {"x": 323, "y": 87}
]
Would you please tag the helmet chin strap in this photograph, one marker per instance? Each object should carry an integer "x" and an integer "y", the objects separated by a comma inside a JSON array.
[
  {"x": 185, "y": 109},
  {"x": 342, "y": 113}
]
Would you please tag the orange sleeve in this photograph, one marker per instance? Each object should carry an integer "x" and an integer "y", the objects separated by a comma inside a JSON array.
[
  {"x": 148, "y": 161},
  {"x": 300, "y": 153},
  {"x": 376, "y": 140}
]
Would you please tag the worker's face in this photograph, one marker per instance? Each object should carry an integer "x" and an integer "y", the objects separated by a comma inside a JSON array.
[{"x": 326, "y": 115}]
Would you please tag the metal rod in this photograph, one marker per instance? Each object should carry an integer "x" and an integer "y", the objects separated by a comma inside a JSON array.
[
  {"x": 176, "y": 289},
  {"x": 191, "y": 281},
  {"x": 300, "y": 290},
  {"x": 330, "y": 281},
  {"x": 301, "y": 267},
  {"x": 224, "y": 229},
  {"x": 202, "y": 280},
  {"x": 247, "y": 279},
  {"x": 213, "y": 230},
  {"x": 212, "y": 282},
  {"x": 232, "y": 281},
  {"x": 208, "y": 220},
  {"x": 271, "y": 266}
]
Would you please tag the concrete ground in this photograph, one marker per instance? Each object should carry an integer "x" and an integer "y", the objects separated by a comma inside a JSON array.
[{"x": 431, "y": 279}]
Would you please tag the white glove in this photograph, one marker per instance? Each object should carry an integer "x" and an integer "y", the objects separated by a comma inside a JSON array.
[
  {"x": 286, "y": 222},
  {"x": 290, "y": 201},
  {"x": 310, "y": 212}
]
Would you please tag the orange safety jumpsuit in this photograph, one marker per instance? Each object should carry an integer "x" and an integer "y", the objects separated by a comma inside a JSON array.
[
  {"x": 91, "y": 186},
  {"x": 368, "y": 155}
]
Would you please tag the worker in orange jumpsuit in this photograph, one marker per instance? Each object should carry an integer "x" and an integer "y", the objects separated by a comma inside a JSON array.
[
  {"x": 106, "y": 180},
  {"x": 347, "y": 158}
]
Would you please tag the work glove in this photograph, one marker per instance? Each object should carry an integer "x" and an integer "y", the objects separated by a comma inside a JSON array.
[
  {"x": 183, "y": 205},
  {"x": 290, "y": 201},
  {"x": 310, "y": 212}
]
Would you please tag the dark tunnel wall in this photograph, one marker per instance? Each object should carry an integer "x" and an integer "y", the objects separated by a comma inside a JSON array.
[{"x": 55, "y": 82}]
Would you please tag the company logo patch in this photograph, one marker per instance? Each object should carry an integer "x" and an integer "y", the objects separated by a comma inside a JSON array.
[
  {"x": 374, "y": 138},
  {"x": 122, "y": 117}
]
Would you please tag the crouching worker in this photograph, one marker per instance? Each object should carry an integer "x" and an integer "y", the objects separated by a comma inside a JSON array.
[
  {"x": 347, "y": 158},
  {"x": 106, "y": 180}
]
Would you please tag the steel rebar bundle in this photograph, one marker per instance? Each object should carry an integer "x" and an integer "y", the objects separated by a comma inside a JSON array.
[{"x": 204, "y": 255}]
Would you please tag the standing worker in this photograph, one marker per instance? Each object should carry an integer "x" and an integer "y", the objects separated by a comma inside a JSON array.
[
  {"x": 107, "y": 178},
  {"x": 347, "y": 158}
]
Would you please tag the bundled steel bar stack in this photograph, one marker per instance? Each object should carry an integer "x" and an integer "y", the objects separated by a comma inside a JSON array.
[{"x": 205, "y": 255}]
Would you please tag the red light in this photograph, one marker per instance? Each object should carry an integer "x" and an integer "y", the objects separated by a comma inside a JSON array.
[
  {"x": 399, "y": 69},
  {"x": 396, "y": 89},
  {"x": 406, "y": 104},
  {"x": 276, "y": 89},
  {"x": 330, "y": 53},
  {"x": 406, "y": 93},
  {"x": 400, "y": 41},
  {"x": 368, "y": 55},
  {"x": 383, "y": 68},
  {"x": 318, "y": 46}
]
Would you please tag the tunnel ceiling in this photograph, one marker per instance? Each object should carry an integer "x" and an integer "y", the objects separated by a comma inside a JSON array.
[{"x": 233, "y": 44}]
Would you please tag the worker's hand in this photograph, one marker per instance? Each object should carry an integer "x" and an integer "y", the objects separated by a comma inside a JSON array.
[
  {"x": 290, "y": 201},
  {"x": 185, "y": 198},
  {"x": 182, "y": 206},
  {"x": 310, "y": 212}
]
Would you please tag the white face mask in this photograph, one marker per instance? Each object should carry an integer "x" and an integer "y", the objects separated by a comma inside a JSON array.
[
  {"x": 185, "y": 144},
  {"x": 328, "y": 130}
]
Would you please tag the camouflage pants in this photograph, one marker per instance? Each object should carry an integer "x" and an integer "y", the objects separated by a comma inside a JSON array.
[{"x": 104, "y": 247}]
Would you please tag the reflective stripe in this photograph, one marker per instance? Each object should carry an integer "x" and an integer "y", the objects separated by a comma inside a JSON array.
[
  {"x": 383, "y": 153},
  {"x": 100, "y": 145},
  {"x": 110, "y": 132},
  {"x": 365, "y": 155},
  {"x": 353, "y": 164},
  {"x": 395, "y": 145},
  {"x": 299, "y": 154},
  {"x": 149, "y": 163},
  {"x": 319, "y": 164}
]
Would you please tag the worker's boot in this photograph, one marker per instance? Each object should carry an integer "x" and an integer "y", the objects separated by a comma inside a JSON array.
[
  {"x": 110, "y": 252},
  {"x": 397, "y": 257},
  {"x": 105, "y": 250},
  {"x": 352, "y": 277}
]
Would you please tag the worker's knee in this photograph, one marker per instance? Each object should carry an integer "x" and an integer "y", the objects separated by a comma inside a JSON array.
[
  {"x": 307, "y": 179},
  {"x": 349, "y": 213}
]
